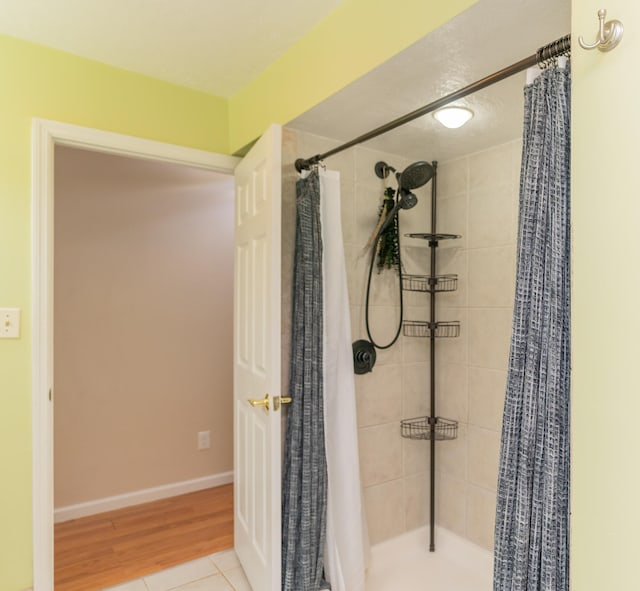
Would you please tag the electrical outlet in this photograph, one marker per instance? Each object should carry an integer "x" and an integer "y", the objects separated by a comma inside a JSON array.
[
  {"x": 204, "y": 439},
  {"x": 9, "y": 323}
]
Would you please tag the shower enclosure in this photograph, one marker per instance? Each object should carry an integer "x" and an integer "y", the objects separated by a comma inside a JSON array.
[{"x": 477, "y": 200}]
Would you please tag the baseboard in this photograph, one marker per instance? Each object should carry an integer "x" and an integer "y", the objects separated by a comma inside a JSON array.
[{"x": 140, "y": 496}]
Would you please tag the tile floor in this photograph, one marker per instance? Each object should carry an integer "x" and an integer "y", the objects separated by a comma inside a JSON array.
[{"x": 217, "y": 572}]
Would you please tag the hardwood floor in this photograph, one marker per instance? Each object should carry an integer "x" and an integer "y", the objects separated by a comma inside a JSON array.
[{"x": 95, "y": 552}]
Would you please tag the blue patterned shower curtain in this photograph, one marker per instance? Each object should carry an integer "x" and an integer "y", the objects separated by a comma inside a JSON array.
[
  {"x": 304, "y": 489},
  {"x": 532, "y": 516}
]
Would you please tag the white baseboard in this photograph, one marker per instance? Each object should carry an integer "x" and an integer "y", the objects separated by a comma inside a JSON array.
[{"x": 140, "y": 496}]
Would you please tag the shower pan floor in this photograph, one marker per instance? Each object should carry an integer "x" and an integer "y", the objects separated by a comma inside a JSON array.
[{"x": 406, "y": 563}]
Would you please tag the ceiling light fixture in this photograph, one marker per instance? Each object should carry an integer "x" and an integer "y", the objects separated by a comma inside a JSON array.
[{"x": 453, "y": 117}]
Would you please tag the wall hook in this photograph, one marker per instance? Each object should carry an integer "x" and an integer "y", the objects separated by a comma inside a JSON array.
[{"x": 609, "y": 34}]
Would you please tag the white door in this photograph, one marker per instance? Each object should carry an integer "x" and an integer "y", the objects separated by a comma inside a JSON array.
[{"x": 257, "y": 436}]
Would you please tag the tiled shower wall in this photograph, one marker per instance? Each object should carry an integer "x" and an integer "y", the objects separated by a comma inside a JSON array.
[{"x": 477, "y": 197}]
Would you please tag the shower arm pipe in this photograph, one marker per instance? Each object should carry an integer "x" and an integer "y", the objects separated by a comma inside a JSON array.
[{"x": 545, "y": 54}]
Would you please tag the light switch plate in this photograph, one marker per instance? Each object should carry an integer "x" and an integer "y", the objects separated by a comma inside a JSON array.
[{"x": 9, "y": 323}]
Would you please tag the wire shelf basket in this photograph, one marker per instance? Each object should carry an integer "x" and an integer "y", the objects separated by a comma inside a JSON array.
[
  {"x": 425, "y": 283},
  {"x": 422, "y": 328},
  {"x": 434, "y": 238},
  {"x": 427, "y": 428}
]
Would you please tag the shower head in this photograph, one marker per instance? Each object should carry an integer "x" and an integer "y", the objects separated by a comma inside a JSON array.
[
  {"x": 407, "y": 199},
  {"x": 415, "y": 175},
  {"x": 412, "y": 177}
]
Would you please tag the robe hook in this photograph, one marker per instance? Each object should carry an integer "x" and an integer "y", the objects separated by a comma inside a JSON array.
[{"x": 609, "y": 34}]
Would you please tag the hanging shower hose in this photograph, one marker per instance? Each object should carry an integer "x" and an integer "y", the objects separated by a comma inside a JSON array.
[{"x": 374, "y": 249}]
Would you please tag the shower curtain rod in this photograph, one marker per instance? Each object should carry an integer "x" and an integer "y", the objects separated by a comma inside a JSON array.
[{"x": 545, "y": 54}]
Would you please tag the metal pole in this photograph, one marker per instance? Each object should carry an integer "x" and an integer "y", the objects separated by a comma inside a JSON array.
[
  {"x": 554, "y": 49},
  {"x": 433, "y": 245}
]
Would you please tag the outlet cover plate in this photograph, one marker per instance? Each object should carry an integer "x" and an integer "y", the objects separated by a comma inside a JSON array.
[
  {"x": 204, "y": 439},
  {"x": 9, "y": 323}
]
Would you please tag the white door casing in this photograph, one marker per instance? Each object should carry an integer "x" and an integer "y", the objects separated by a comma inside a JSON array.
[
  {"x": 257, "y": 429},
  {"x": 45, "y": 136}
]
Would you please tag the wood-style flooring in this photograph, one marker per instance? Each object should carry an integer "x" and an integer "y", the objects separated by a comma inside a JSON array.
[{"x": 102, "y": 550}]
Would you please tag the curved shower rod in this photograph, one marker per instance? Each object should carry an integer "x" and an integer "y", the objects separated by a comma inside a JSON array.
[
  {"x": 609, "y": 36},
  {"x": 546, "y": 53}
]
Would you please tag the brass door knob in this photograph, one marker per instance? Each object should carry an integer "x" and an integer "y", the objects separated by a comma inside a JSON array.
[{"x": 263, "y": 402}]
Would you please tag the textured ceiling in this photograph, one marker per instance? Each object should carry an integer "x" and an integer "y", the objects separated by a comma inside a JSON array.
[
  {"x": 487, "y": 37},
  {"x": 216, "y": 46}
]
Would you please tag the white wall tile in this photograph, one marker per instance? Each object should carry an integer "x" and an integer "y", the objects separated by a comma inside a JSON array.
[
  {"x": 481, "y": 516},
  {"x": 415, "y": 389},
  {"x": 415, "y": 350},
  {"x": 484, "y": 452},
  {"x": 452, "y": 392},
  {"x": 416, "y": 500},
  {"x": 492, "y": 216},
  {"x": 415, "y": 456},
  {"x": 379, "y": 395},
  {"x": 453, "y": 177},
  {"x": 451, "y": 503},
  {"x": 452, "y": 219},
  {"x": 492, "y": 273},
  {"x": 489, "y": 337},
  {"x": 491, "y": 168},
  {"x": 451, "y": 456},
  {"x": 384, "y": 505},
  {"x": 380, "y": 453},
  {"x": 367, "y": 202},
  {"x": 486, "y": 397}
]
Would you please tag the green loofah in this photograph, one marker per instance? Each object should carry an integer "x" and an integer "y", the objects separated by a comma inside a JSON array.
[{"x": 389, "y": 242}]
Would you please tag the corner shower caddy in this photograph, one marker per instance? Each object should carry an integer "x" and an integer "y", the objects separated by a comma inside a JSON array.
[{"x": 431, "y": 428}]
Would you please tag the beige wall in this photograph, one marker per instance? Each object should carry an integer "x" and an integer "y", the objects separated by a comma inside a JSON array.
[
  {"x": 477, "y": 198},
  {"x": 143, "y": 324}
]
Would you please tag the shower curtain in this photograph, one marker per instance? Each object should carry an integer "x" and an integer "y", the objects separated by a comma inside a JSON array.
[
  {"x": 532, "y": 516},
  {"x": 323, "y": 532},
  {"x": 347, "y": 544}
]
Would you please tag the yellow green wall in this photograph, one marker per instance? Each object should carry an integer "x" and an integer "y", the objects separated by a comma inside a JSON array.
[
  {"x": 355, "y": 38},
  {"x": 44, "y": 83},
  {"x": 606, "y": 304},
  {"x": 39, "y": 82}
]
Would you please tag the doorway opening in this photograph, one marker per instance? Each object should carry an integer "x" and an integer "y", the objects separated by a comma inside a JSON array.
[
  {"x": 143, "y": 380},
  {"x": 47, "y": 137}
]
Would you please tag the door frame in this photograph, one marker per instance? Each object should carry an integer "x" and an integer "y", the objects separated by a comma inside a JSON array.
[{"x": 46, "y": 135}]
